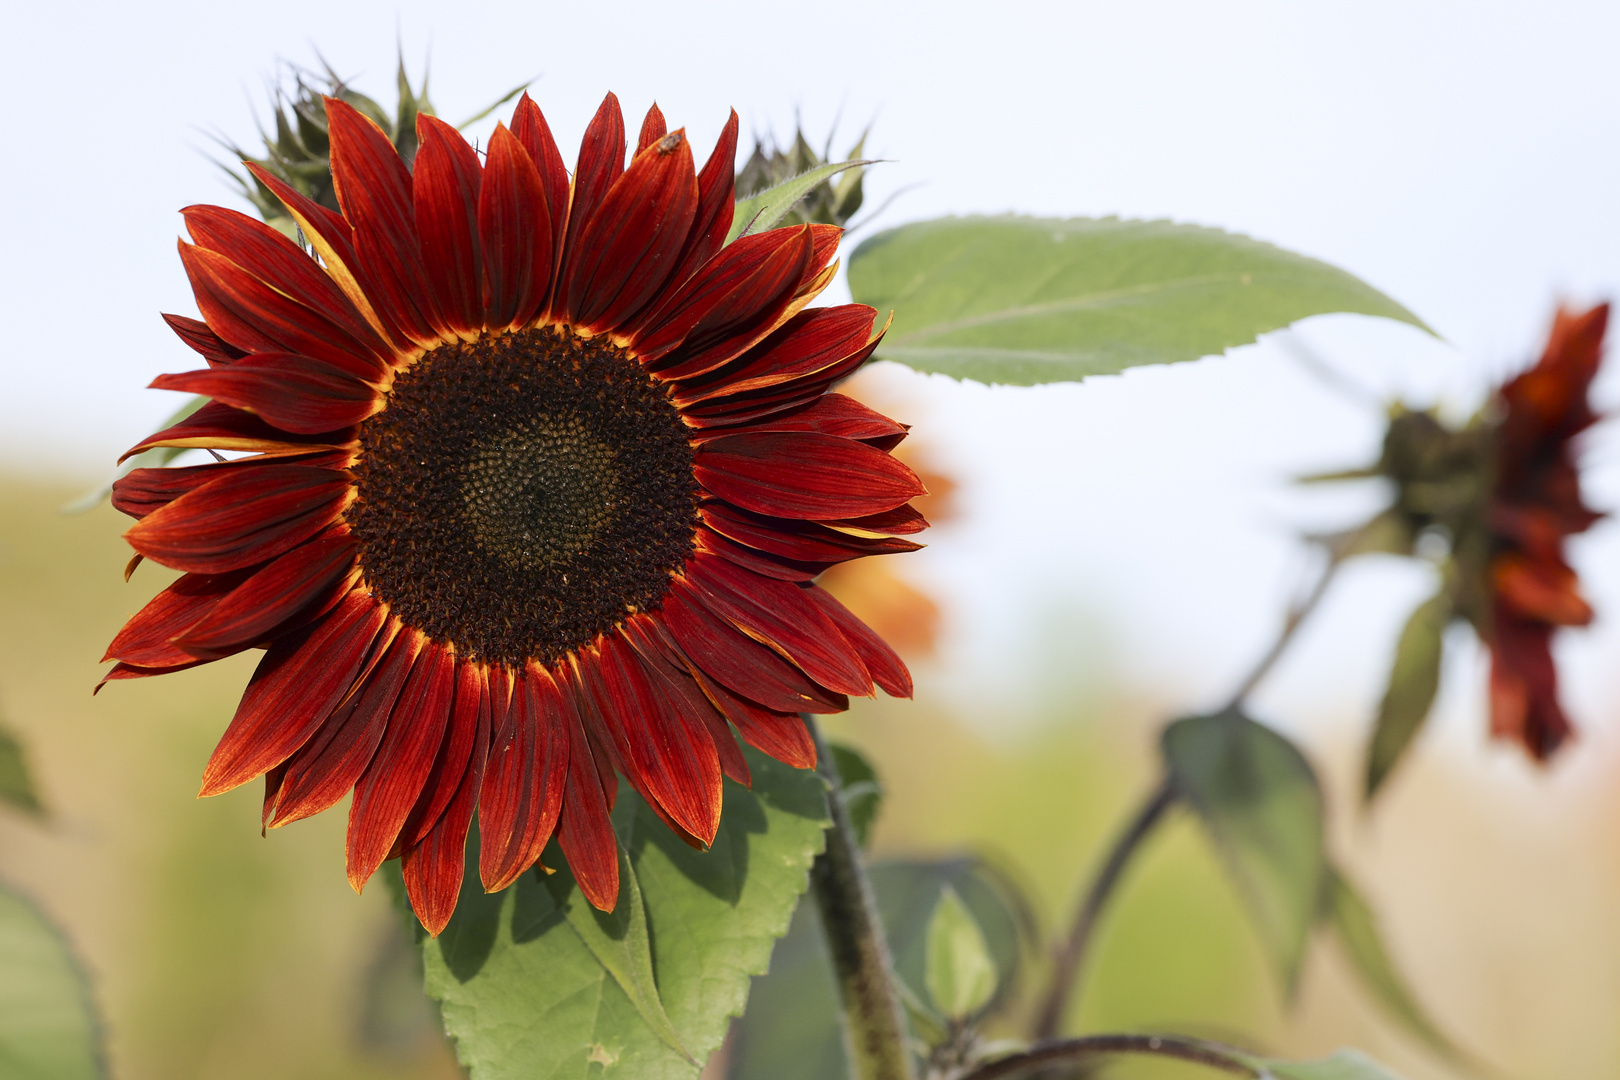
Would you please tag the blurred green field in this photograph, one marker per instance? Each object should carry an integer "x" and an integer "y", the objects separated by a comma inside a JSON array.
[{"x": 218, "y": 953}]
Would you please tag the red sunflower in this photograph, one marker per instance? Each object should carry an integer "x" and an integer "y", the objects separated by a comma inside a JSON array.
[
  {"x": 540, "y": 479},
  {"x": 1536, "y": 503}
]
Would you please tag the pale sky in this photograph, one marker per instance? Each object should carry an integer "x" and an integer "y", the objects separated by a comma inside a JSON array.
[{"x": 1461, "y": 157}]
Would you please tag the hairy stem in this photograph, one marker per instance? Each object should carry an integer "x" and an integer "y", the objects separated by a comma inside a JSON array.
[
  {"x": 1091, "y": 1047},
  {"x": 874, "y": 1026},
  {"x": 1069, "y": 960}
]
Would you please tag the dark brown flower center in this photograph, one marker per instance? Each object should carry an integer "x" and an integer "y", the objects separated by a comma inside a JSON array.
[{"x": 523, "y": 493}]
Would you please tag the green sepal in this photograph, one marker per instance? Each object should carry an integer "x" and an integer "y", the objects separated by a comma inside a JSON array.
[{"x": 756, "y": 213}]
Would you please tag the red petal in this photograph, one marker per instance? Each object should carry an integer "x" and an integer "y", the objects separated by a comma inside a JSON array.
[
  {"x": 716, "y": 203},
  {"x": 601, "y": 160},
  {"x": 374, "y": 189},
  {"x": 209, "y": 344},
  {"x": 1524, "y": 686},
  {"x": 445, "y": 182},
  {"x": 887, "y": 669},
  {"x": 728, "y": 305},
  {"x": 583, "y": 829},
  {"x": 756, "y": 561},
  {"x": 629, "y": 248},
  {"x": 738, "y": 660},
  {"x": 297, "y": 684},
  {"x": 389, "y": 787},
  {"x": 901, "y": 521},
  {"x": 653, "y": 128},
  {"x": 326, "y": 767},
  {"x": 275, "y": 260},
  {"x": 779, "y": 734},
  {"x": 246, "y": 516},
  {"x": 141, "y": 491},
  {"x": 471, "y": 702},
  {"x": 146, "y": 640},
  {"x": 804, "y": 476},
  {"x": 135, "y": 671},
  {"x": 673, "y": 761},
  {"x": 754, "y": 404},
  {"x": 809, "y": 342},
  {"x": 299, "y": 586},
  {"x": 830, "y": 414},
  {"x": 223, "y": 427},
  {"x": 530, "y": 127},
  {"x": 515, "y": 224},
  {"x": 524, "y": 782},
  {"x": 294, "y": 393},
  {"x": 779, "y": 615},
  {"x": 803, "y": 541},
  {"x": 433, "y": 868},
  {"x": 664, "y": 659}
]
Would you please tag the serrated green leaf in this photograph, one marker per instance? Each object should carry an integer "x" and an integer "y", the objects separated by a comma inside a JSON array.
[
  {"x": 1356, "y": 929},
  {"x": 863, "y": 792},
  {"x": 1034, "y": 300},
  {"x": 760, "y": 212},
  {"x": 1413, "y": 681},
  {"x": 154, "y": 458},
  {"x": 525, "y": 997},
  {"x": 1344, "y": 1065},
  {"x": 1258, "y": 797},
  {"x": 959, "y": 974},
  {"x": 16, "y": 782},
  {"x": 48, "y": 1028}
]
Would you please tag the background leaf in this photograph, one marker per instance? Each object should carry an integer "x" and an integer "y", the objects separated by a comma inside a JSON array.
[
  {"x": 960, "y": 975},
  {"x": 1344, "y": 1065},
  {"x": 1034, "y": 300},
  {"x": 48, "y": 1028},
  {"x": 525, "y": 997},
  {"x": 863, "y": 791},
  {"x": 1258, "y": 797},
  {"x": 16, "y": 783},
  {"x": 1356, "y": 928},
  {"x": 792, "y": 1029},
  {"x": 1413, "y": 681}
]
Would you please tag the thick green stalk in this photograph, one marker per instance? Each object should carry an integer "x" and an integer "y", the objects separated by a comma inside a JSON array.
[{"x": 874, "y": 1025}]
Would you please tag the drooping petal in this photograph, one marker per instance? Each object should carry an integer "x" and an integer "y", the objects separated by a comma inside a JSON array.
[
  {"x": 738, "y": 657},
  {"x": 584, "y": 830},
  {"x": 295, "y": 393},
  {"x": 804, "y": 475},
  {"x": 245, "y": 516},
  {"x": 665, "y": 661},
  {"x": 1524, "y": 686},
  {"x": 300, "y": 585},
  {"x": 524, "y": 782},
  {"x": 887, "y": 669},
  {"x": 298, "y": 683},
  {"x": 782, "y": 735},
  {"x": 445, "y": 181},
  {"x": 515, "y": 225},
  {"x": 327, "y": 767},
  {"x": 388, "y": 789}
]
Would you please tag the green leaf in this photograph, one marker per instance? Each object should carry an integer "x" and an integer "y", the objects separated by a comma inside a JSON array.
[
  {"x": 525, "y": 995},
  {"x": 1413, "y": 681},
  {"x": 960, "y": 975},
  {"x": 1344, "y": 1065},
  {"x": 16, "y": 783},
  {"x": 760, "y": 212},
  {"x": 1259, "y": 799},
  {"x": 48, "y": 1027},
  {"x": 1356, "y": 928},
  {"x": 618, "y": 938},
  {"x": 1034, "y": 300},
  {"x": 863, "y": 792}
]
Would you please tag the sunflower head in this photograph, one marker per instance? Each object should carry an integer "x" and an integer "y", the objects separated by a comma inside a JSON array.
[{"x": 537, "y": 480}]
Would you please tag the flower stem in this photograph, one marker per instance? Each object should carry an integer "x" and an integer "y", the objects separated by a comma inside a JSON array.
[
  {"x": 1068, "y": 962},
  {"x": 874, "y": 1026},
  {"x": 1077, "y": 1051},
  {"x": 1296, "y": 617}
]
